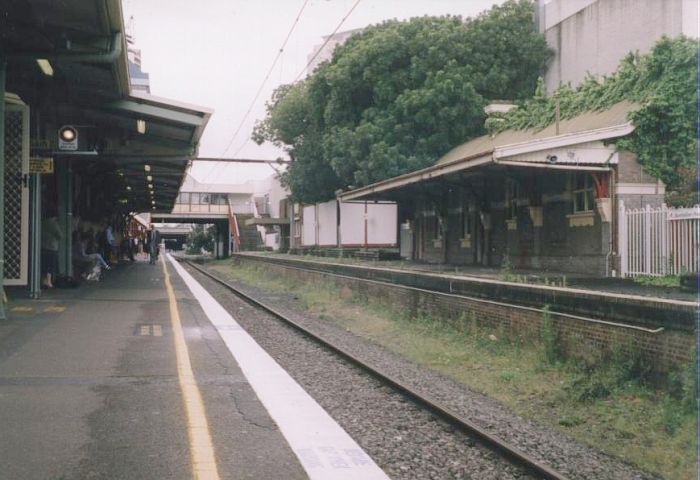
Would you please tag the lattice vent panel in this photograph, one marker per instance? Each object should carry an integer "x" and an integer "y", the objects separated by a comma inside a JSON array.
[{"x": 13, "y": 194}]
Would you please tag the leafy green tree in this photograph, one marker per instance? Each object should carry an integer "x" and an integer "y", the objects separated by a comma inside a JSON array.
[
  {"x": 200, "y": 239},
  {"x": 398, "y": 95},
  {"x": 664, "y": 84}
]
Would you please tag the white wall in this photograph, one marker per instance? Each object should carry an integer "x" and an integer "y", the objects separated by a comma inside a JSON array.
[
  {"x": 271, "y": 187},
  {"x": 320, "y": 225},
  {"x": 381, "y": 224},
  {"x": 308, "y": 230},
  {"x": 592, "y": 37},
  {"x": 691, "y": 18},
  {"x": 272, "y": 240},
  {"x": 327, "y": 224},
  {"x": 352, "y": 223}
]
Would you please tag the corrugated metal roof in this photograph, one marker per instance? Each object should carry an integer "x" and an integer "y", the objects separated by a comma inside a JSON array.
[
  {"x": 580, "y": 130},
  {"x": 612, "y": 117}
]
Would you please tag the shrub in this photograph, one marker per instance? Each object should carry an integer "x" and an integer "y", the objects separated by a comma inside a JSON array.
[{"x": 553, "y": 351}]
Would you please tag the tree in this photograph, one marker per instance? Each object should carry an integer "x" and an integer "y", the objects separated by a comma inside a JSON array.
[
  {"x": 398, "y": 95},
  {"x": 200, "y": 239}
]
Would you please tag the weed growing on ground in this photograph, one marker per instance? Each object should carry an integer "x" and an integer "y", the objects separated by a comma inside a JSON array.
[
  {"x": 551, "y": 345},
  {"x": 668, "y": 281},
  {"x": 683, "y": 385},
  {"x": 623, "y": 369},
  {"x": 507, "y": 269},
  {"x": 570, "y": 420}
]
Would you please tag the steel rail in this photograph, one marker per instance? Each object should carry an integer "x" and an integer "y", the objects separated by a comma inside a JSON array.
[{"x": 431, "y": 404}]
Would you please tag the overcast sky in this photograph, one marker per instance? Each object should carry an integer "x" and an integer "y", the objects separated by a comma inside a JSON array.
[{"x": 216, "y": 53}]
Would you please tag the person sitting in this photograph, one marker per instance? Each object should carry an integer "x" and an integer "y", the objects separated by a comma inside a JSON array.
[{"x": 93, "y": 261}]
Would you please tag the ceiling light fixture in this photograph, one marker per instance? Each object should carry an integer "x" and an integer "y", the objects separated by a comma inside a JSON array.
[
  {"x": 149, "y": 178},
  {"x": 141, "y": 126},
  {"x": 147, "y": 167},
  {"x": 45, "y": 66}
]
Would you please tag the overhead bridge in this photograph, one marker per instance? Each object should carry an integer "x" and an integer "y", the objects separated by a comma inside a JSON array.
[{"x": 230, "y": 207}]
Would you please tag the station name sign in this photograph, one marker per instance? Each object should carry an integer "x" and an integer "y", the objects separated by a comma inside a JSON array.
[{"x": 684, "y": 213}]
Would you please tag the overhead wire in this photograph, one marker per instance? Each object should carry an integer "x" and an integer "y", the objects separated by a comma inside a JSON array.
[
  {"x": 269, "y": 72},
  {"x": 328, "y": 39},
  {"x": 274, "y": 62}
]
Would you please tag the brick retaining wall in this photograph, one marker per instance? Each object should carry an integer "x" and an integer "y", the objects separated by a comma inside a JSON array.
[{"x": 667, "y": 348}]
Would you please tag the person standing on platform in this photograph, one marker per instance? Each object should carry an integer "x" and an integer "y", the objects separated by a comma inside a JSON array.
[
  {"x": 153, "y": 241},
  {"x": 51, "y": 235}
]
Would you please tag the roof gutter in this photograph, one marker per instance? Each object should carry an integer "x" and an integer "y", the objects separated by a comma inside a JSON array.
[
  {"x": 549, "y": 166},
  {"x": 109, "y": 56},
  {"x": 112, "y": 56},
  {"x": 419, "y": 175}
]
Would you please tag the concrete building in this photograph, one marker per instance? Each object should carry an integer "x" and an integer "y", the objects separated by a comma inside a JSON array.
[
  {"x": 590, "y": 37},
  {"x": 324, "y": 51},
  {"x": 253, "y": 214},
  {"x": 139, "y": 80}
]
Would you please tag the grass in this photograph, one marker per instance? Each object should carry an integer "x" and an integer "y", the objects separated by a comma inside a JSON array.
[
  {"x": 668, "y": 281},
  {"x": 606, "y": 401}
]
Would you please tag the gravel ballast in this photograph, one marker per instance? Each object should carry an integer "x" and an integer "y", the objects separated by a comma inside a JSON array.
[{"x": 404, "y": 440}]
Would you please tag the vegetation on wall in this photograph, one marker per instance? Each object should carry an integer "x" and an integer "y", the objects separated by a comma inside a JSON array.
[
  {"x": 663, "y": 83},
  {"x": 398, "y": 95}
]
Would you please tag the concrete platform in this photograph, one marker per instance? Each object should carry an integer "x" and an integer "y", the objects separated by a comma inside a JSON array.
[
  {"x": 603, "y": 299},
  {"x": 89, "y": 387}
]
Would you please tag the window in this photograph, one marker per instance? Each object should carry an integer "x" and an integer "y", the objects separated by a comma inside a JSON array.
[
  {"x": 218, "y": 199},
  {"x": 512, "y": 194},
  {"x": 204, "y": 198},
  {"x": 183, "y": 198},
  {"x": 435, "y": 222},
  {"x": 466, "y": 221},
  {"x": 583, "y": 193}
]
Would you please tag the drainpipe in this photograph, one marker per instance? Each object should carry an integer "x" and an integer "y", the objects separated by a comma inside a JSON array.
[
  {"x": 3, "y": 67},
  {"x": 109, "y": 56},
  {"x": 613, "y": 220}
]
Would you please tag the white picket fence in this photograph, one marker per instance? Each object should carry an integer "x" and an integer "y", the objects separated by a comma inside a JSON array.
[{"x": 658, "y": 241}]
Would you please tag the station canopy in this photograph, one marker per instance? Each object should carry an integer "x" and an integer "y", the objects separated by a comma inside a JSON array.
[
  {"x": 573, "y": 144},
  {"x": 68, "y": 61}
]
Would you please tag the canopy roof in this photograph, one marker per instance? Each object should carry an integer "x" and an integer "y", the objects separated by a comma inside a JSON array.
[
  {"x": 85, "y": 46},
  {"x": 527, "y": 148}
]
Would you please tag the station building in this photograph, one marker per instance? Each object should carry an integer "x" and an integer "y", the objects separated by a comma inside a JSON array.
[
  {"x": 64, "y": 67},
  {"x": 544, "y": 200}
]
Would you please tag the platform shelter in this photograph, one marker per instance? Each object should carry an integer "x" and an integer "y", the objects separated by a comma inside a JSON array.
[
  {"x": 75, "y": 140},
  {"x": 543, "y": 200}
]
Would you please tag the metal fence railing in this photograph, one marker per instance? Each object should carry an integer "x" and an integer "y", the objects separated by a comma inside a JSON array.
[{"x": 658, "y": 241}]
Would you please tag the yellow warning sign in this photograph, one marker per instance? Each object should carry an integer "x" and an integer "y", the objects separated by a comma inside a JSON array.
[{"x": 41, "y": 165}]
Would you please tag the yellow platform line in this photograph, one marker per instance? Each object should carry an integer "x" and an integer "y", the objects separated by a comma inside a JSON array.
[{"x": 201, "y": 446}]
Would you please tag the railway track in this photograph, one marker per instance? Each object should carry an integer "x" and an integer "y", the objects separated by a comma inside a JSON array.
[{"x": 515, "y": 455}]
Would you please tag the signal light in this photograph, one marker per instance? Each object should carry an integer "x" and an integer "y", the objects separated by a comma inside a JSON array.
[{"x": 67, "y": 138}]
